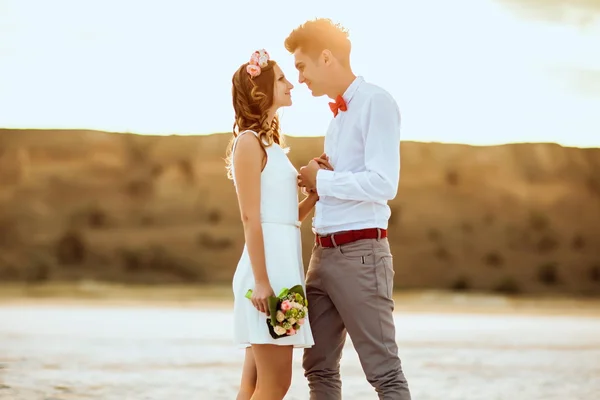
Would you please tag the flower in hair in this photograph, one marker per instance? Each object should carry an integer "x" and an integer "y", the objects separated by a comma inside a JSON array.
[
  {"x": 258, "y": 60},
  {"x": 253, "y": 70}
]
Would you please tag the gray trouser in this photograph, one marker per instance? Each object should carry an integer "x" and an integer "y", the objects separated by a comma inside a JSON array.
[{"x": 349, "y": 289}]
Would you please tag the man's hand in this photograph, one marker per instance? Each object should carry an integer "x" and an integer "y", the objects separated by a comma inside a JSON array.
[
  {"x": 307, "y": 179},
  {"x": 308, "y": 175},
  {"x": 323, "y": 156},
  {"x": 324, "y": 163}
]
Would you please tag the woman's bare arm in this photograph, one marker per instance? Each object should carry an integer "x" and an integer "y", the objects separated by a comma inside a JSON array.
[
  {"x": 248, "y": 161},
  {"x": 307, "y": 205}
]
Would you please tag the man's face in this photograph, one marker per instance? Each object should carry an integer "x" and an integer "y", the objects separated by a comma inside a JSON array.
[{"x": 310, "y": 72}]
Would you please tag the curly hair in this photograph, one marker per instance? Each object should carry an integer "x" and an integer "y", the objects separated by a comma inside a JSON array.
[{"x": 252, "y": 99}]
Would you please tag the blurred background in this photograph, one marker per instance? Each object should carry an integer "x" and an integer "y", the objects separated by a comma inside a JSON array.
[{"x": 120, "y": 233}]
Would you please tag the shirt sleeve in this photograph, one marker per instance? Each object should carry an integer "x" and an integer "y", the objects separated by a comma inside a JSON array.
[{"x": 379, "y": 182}]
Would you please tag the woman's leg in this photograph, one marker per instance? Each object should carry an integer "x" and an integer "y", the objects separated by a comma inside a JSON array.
[
  {"x": 274, "y": 371},
  {"x": 248, "y": 384}
]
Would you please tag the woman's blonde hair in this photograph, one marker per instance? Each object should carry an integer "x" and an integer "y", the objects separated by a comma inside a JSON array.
[{"x": 252, "y": 98}]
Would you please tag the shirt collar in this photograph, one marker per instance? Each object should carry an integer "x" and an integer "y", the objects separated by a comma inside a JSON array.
[{"x": 349, "y": 93}]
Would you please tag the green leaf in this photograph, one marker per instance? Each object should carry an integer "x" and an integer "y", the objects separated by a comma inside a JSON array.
[
  {"x": 297, "y": 289},
  {"x": 274, "y": 303},
  {"x": 273, "y": 306}
]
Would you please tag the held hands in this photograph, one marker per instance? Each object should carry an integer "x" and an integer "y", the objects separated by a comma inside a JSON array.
[
  {"x": 323, "y": 161},
  {"x": 260, "y": 296},
  {"x": 307, "y": 178}
]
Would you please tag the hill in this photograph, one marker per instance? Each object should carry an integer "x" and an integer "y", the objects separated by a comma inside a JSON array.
[{"x": 516, "y": 218}]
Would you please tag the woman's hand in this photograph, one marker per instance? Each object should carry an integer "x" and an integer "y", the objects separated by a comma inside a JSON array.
[
  {"x": 260, "y": 296},
  {"x": 310, "y": 193},
  {"x": 323, "y": 162}
]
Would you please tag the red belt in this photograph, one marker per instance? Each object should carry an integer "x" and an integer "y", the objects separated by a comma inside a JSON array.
[{"x": 338, "y": 239}]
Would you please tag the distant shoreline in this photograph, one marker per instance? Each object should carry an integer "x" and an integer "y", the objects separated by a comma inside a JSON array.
[{"x": 95, "y": 294}]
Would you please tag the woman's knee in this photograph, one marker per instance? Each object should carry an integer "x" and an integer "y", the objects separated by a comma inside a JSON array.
[
  {"x": 274, "y": 367},
  {"x": 279, "y": 384},
  {"x": 284, "y": 383}
]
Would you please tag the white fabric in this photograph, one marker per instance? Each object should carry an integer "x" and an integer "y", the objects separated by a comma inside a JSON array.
[
  {"x": 363, "y": 145},
  {"x": 283, "y": 251}
]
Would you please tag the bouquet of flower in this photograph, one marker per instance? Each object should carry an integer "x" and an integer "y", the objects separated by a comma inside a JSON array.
[{"x": 286, "y": 311}]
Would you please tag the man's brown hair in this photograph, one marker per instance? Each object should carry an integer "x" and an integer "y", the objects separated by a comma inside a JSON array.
[{"x": 314, "y": 36}]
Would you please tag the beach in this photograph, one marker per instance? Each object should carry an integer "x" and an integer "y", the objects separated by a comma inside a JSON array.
[{"x": 138, "y": 348}]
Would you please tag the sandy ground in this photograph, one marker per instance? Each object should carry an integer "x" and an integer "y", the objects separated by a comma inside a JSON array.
[{"x": 165, "y": 347}]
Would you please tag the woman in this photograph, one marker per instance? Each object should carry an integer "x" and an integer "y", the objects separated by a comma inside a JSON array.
[{"x": 267, "y": 192}]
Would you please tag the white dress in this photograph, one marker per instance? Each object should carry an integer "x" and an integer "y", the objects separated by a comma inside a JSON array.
[{"x": 283, "y": 253}]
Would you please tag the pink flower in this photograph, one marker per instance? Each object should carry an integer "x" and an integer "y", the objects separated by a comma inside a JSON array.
[
  {"x": 259, "y": 59},
  {"x": 291, "y": 332},
  {"x": 301, "y": 321},
  {"x": 285, "y": 305},
  {"x": 253, "y": 70}
]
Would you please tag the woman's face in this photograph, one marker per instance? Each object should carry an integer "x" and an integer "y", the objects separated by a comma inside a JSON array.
[{"x": 281, "y": 89}]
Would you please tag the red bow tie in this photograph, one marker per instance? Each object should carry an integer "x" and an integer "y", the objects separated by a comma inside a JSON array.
[{"x": 338, "y": 105}]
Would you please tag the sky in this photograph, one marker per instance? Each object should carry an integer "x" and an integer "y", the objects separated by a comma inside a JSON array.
[{"x": 479, "y": 72}]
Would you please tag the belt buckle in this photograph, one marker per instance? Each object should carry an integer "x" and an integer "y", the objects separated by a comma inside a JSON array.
[
  {"x": 319, "y": 241},
  {"x": 332, "y": 238}
]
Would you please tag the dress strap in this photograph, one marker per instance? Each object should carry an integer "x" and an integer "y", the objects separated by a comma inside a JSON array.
[{"x": 239, "y": 136}]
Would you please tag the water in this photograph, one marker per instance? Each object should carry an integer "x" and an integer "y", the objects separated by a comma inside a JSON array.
[{"x": 51, "y": 352}]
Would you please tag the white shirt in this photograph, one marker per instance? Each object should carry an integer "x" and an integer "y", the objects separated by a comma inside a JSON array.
[{"x": 363, "y": 145}]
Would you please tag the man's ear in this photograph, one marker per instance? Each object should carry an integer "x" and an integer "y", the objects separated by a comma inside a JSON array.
[{"x": 327, "y": 57}]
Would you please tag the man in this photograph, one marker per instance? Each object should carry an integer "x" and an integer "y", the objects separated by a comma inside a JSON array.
[{"x": 350, "y": 277}]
